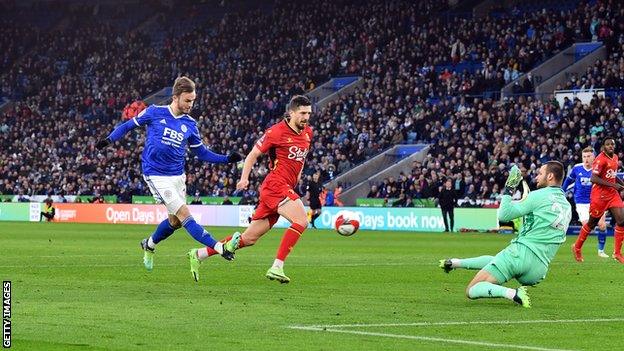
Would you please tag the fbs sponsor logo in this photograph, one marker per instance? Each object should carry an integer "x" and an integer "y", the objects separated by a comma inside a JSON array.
[{"x": 172, "y": 135}]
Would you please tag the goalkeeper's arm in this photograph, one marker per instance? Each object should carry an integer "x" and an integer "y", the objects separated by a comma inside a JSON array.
[
  {"x": 509, "y": 209},
  {"x": 117, "y": 133}
]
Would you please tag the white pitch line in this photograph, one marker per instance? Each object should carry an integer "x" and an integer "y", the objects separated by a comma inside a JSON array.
[
  {"x": 427, "y": 324},
  {"x": 428, "y": 338}
]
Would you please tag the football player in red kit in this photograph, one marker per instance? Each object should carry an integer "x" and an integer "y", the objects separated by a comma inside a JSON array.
[
  {"x": 605, "y": 195},
  {"x": 287, "y": 144}
]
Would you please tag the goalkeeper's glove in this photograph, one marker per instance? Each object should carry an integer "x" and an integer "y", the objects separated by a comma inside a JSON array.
[
  {"x": 234, "y": 156},
  {"x": 103, "y": 143},
  {"x": 513, "y": 180}
]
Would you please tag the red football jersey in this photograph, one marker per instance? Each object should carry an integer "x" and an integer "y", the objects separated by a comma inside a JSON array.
[
  {"x": 287, "y": 151},
  {"x": 605, "y": 167}
]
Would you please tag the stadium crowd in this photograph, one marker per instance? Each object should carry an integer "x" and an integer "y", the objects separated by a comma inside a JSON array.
[
  {"x": 70, "y": 91},
  {"x": 476, "y": 145}
]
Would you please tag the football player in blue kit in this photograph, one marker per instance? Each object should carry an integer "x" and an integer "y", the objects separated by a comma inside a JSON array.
[
  {"x": 169, "y": 130},
  {"x": 579, "y": 179}
]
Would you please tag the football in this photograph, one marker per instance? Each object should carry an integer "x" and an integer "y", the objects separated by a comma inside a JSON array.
[{"x": 347, "y": 223}]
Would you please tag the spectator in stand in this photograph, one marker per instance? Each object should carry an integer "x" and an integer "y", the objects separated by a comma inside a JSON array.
[
  {"x": 97, "y": 199},
  {"x": 131, "y": 110},
  {"x": 374, "y": 192},
  {"x": 401, "y": 201},
  {"x": 227, "y": 201},
  {"x": 197, "y": 200}
]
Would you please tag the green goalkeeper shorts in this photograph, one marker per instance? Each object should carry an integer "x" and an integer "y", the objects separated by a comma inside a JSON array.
[{"x": 517, "y": 261}]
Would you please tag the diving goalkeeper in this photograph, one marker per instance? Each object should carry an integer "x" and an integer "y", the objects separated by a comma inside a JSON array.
[{"x": 546, "y": 214}]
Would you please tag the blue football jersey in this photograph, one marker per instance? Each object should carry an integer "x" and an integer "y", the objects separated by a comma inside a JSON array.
[
  {"x": 166, "y": 140},
  {"x": 579, "y": 178}
]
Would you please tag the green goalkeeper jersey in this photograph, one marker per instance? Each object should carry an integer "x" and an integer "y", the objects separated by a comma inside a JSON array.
[{"x": 547, "y": 215}]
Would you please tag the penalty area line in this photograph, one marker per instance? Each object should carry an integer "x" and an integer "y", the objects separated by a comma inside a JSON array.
[
  {"x": 425, "y": 324},
  {"x": 427, "y": 338}
]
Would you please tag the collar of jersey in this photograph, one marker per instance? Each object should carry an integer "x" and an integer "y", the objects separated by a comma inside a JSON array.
[
  {"x": 174, "y": 116},
  {"x": 291, "y": 128},
  {"x": 610, "y": 158}
]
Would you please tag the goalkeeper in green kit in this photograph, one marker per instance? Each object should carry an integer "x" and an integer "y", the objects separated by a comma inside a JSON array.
[{"x": 547, "y": 214}]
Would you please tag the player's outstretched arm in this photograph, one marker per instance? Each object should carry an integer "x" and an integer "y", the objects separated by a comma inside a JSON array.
[
  {"x": 205, "y": 154},
  {"x": 250, "y": 160},
  {"x": 117, "y": 133},
  {"x": 509, "y": 209}
]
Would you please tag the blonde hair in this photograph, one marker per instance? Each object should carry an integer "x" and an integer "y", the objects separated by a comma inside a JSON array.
[
  {"x": 588, "y": 149},
  {"x": 183, "y": 85}
]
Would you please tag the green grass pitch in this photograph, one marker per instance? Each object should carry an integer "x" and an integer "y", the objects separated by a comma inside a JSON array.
[{"x": 83, "y": 287}]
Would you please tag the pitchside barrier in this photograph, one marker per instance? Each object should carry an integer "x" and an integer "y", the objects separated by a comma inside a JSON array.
[{"x": 402, "y": 219}]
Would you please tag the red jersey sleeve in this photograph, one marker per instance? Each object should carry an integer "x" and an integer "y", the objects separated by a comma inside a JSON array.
[
  {"x": 268, "y": 140},
  {"x": 598, "y": 167}
]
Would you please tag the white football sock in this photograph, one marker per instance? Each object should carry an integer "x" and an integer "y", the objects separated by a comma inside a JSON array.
[
  {"x": 510, "y": 293},
  {"x": 218, "y": 247},
  {"x": 278, "y": 263},
  {"x": 202, "y": 253},
  {"x": 150, "y": 243}
]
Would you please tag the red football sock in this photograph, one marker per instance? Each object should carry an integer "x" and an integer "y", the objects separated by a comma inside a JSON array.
[
  {"x": 617, "y": 240},
  {"x": 582, "y": 236},
  {"x": 290, "y": 238},
  {"x": 211, "y": 251}
]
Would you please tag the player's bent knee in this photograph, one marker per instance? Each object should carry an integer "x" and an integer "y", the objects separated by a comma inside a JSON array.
[
  {"x": 182, "y": 213},
  {"x": 249, "y": 241},
  {"x": 300, "y": 225},
  {"x": 175, "y": 223},
  {"x": 468, "y": 291}
]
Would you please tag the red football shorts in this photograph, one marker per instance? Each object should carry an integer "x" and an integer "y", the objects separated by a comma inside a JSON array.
[
  {"x": 272, "y": 195},
  {"x": 601, "y": 202}
]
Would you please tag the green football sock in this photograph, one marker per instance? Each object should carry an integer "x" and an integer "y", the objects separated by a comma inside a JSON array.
[
  {"x": 473, "y": 262},
  {"x": 486, "y": 289}
]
